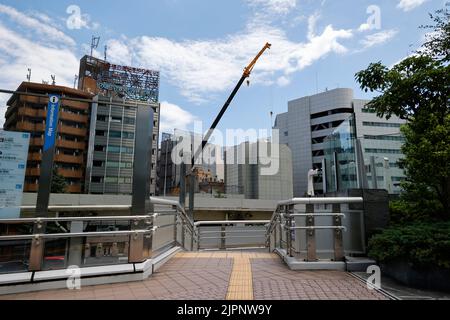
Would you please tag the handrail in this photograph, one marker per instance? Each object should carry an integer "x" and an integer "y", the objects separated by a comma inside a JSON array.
[
  {"x": 284, "y": 216},
  {"x": 69, "y": 219},
  {"x": 225, "y": 222},
  {"x": 76, "y": 235}
]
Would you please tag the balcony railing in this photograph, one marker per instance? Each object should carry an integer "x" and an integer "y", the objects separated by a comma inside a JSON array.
[{"x": 68, "y": 159}]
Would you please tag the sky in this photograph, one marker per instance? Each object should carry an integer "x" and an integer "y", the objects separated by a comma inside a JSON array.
[{"x": 201, "y": 48}]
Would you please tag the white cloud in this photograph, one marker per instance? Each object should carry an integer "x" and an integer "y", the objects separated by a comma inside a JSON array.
[
  {"x": 174, "y": 117},
  {"x": 378, "y": 38},
  {"x": 408, "y": 5},
  {"x": 200, "y": 68},
  {"x": 273, "y": 6},
  {"x": 19, "y": 53},
  {"x": 38, "y": 26}
]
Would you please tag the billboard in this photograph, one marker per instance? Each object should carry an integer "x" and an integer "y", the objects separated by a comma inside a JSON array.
[{"x": 13, "y": 163}]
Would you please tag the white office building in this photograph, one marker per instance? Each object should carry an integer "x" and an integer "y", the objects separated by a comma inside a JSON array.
[{"x": 310, "y": 120}]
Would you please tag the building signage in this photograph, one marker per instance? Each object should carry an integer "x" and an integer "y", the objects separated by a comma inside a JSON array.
[
  {"x": 51, "y": 122},
  {"x": 13, "y": 162}
]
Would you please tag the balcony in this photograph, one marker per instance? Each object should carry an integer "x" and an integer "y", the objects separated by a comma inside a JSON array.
[
  {"x": 33, "y": 99},
  {"x": 33, "y": 172},
  {"x": 75, "y": 104},
  {"x": 34, "y": 157},
  {"x": 76, "y": 188},
  {"x": 30, "y": 112},
  {"x": 68, "y": 159},
  {"x": 29, "y": 187},
  {"x": 81, "y": 132},
  {"x": 71, "y": 144},
  {"x": 30, "y": 127},
  {"x": 73, "y": 117},
  {"x": 68, "y": 173}
]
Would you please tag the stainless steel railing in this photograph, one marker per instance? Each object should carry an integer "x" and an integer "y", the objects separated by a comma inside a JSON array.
[
  {"x": 290, "y": 224},
  {"x": 227, "y": 234},
  {"x": 30, "y": 244}
]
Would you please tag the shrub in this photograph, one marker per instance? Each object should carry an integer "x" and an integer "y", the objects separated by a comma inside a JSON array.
[{"x": 423, "y": 245}]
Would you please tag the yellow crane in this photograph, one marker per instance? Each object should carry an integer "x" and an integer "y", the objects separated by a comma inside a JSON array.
[{"x": 247, "y": 72}]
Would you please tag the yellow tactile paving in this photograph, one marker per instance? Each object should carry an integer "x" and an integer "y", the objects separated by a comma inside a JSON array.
[{"x": 241, "y": 280}]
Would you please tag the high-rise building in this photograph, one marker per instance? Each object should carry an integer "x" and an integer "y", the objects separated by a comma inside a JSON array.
[
  {"x": 243, "y": 171},
  {"x": 310, "y": 120},
  {"x": 120, "y": 91},
  {"x": 112, "y": 146},
  {"x": 28, "y": 113}
]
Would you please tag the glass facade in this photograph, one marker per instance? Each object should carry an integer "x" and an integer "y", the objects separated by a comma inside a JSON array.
[{"x": 340, "y": 157}]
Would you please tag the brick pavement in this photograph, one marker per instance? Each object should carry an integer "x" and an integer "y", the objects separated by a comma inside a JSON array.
[{"x": 220, "y": 276}]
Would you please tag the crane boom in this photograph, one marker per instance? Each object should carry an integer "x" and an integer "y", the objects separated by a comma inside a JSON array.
[{"x": 247, "y": 71}]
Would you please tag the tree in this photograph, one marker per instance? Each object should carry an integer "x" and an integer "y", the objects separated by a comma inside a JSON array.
[
  {"x": 59, "y": 183},
  {"x": 418, "y": 90}
]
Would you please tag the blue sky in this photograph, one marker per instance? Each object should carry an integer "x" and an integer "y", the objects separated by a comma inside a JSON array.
[{"x": 202, "y": 46}]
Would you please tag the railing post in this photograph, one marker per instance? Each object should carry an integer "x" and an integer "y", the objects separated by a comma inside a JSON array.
[
  {"x": 289, "y": 211},
  {"x": 175, "y": 229},
  {"x": 192, "y": 238},
  {"x": 280, "y": 227},
  {"x": 338, "y": 236},
  {"x": 183, "y": 234},
  {"x": 223, "y": 235},
  {"x": 288, "y": 230},
  {"x": 37, "y": 247},
  {"x": 310, "y": 234}
]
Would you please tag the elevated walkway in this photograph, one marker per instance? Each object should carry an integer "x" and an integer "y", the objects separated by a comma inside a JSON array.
[{"x": 234, "y": 275}]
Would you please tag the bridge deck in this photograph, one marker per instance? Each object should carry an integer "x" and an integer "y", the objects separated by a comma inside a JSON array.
[{"x": 222, "y": 275}]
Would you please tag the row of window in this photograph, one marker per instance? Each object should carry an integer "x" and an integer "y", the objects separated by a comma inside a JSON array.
[
  {"x": 118, "y": 149},
  {"x": 117, "y": 119},
  {"x": 113, "y": 164},
  {"x": 331, "y": 112},
  {"x": 385, "y": 138},
  {"x": 128, "y": 180},
  {"x": 382, "y": 124},
  {"x": 390, "y": 151}
]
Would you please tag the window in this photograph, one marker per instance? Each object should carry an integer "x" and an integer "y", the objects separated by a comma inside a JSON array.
[
  {"x": 116, "y": 119},
  {"x": 115, "y": 134},
  {"x": 97, "y": 179},
  {"x": 111, "y": 179},
  {"x": 286, "y": 133},
  {"x": 368, "y": 110},
  {"x": 97, "y": 164},
  {"x": 99, "y": 133},
  {"x": 100, "y": 148},
  {"x": 112, "y": 164},
  {"x": 113, "y": 149},
  {"x": 125, "y": 180},
  {"x": 101, "y": 118},
  {"x": 128, "y": 120},
  {"x": 382, "y": 124},
  {"x": 128, "y": 135}
]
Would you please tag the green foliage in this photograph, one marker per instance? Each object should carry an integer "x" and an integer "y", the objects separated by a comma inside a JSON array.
[
  {"x": 422, "y": 244},
  {"x": 59, "y": 183}
]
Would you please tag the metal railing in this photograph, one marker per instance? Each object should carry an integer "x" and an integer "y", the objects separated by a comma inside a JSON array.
[
  {"x": 30, "y": 244},
  {"x": 289, "y": 225},
  {"x": 231, "y": 234}
]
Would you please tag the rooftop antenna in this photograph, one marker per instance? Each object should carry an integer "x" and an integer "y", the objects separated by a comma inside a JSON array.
[
  {"x": 106, "y": 51},
  {"x": 44, "y": 82},
  {"x": 29, "y": 75},
  {"x": 53, "y": 79},
  {"x": 94, "y": 43},
  {"x": 75, "y": 82}
]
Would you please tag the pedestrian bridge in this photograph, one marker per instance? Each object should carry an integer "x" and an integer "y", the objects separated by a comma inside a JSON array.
[{"x": 306, "y": 251}]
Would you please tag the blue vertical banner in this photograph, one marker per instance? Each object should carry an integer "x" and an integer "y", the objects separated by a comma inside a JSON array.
[{"x": 51, "y": 122}]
